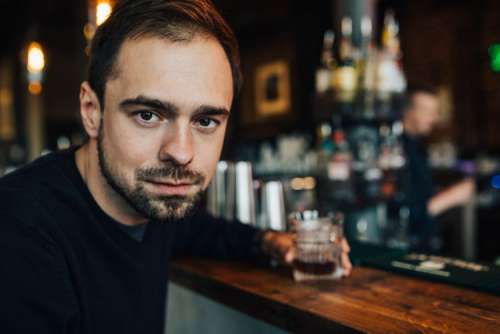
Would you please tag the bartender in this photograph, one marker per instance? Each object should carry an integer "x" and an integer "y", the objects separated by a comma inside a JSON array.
[{"x": 419, "y": 118}]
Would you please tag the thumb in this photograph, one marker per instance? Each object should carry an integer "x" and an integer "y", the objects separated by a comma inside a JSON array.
[{"x": 290, "y": 255}]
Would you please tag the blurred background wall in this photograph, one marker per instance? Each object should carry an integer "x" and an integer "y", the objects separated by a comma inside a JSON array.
[{"x": 444, "y": 42}]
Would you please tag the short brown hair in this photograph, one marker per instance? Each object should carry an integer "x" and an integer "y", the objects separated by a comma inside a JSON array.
[
  {"x": 174, "y": 20},
  {"x": 415, "y": 88}
]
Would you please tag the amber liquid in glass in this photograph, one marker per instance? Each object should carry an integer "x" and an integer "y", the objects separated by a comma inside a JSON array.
[{"x": 315, "y": 268}]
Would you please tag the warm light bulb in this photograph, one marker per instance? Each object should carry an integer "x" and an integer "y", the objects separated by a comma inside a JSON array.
[
  {"x": 35, "y": 88},
  {"x": 36, "y": 58},
  {"x": 103, "y": 11}
]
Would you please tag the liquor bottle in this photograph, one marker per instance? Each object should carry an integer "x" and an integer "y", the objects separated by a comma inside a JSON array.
[
  {"x": 392, "y": 157},
  {"x": 345, "y": 77},
  {"x": 324, "y": 135},
  {"x": 398, "y": 158},
  {"x": 325, "y": 147},
  {"x": 390, "y": 76},
  {"x": 367, "y": 68},
  {"x": 339, "y": 168},
  {"x": 325, "y": 70},
  {"x": 346, "y": 48},
  {"x": 390, "y": 32}
]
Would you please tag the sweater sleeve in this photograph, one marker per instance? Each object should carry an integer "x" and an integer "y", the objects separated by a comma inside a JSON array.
[
  {"x": 206, "y": 236},
  {"x": 34, "y": 285}
]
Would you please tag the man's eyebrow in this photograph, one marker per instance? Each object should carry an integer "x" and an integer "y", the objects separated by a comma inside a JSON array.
[
  {"x": 159, "y": 105},
  {"x": 210, "y": 111}
]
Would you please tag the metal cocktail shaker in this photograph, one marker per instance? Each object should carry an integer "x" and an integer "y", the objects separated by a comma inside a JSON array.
[{"x": 231, "y": 194}]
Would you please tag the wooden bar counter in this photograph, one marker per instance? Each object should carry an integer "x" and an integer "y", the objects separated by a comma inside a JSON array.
[{"x": 369, "y": 301}]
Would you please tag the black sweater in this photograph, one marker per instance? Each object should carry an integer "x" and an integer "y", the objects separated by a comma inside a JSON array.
[
  {"x": 418, "y": 191},
  {"x": 67, "y": 267}
]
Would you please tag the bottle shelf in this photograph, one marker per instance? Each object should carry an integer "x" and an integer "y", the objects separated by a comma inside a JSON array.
[{"x": 362, "y": 107}]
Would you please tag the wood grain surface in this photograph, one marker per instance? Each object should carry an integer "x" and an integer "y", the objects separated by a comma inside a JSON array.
[{"x": 369, "y": 301}]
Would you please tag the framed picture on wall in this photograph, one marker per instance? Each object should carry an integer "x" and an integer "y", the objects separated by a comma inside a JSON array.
[
  {"x": 268, "y": 104},
  {"x": 272, "y": 89}
]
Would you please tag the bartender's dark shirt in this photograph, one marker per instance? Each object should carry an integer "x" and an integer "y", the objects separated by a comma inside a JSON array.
[
  {"x": 418, "y": 190},
  {"x": 68, "y": 267}
]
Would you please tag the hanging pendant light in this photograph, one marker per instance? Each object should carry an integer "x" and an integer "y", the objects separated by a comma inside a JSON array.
[
  {"x": 35, "y": 65},
  {"x": 98, "y": 12}
]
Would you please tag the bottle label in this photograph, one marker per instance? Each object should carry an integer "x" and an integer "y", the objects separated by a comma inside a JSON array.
[
  {"x": 338, "y": 170},
  {"x": 323, "y": 79},
  {"x": 345, "y": 78}
]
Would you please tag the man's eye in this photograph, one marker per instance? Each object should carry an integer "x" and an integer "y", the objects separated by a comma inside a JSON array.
[
  {"x": 207, "y": 123},
  {"x": 146, "y": 116}
]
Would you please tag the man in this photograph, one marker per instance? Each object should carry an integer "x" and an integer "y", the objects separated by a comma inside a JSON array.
[
  {"x": 419, "y": 119},
  {"x": 86, "y": 235}
]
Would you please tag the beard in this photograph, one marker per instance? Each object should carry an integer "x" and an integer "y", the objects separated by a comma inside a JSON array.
[{"x": 152, "y": 206}]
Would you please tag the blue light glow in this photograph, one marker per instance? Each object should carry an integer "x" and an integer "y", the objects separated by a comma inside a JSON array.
[{"x": 495, "y": 181}]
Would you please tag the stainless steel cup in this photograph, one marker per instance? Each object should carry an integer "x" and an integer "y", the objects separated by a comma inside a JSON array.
[
  {"x": 221, "y": 192},
  {"x": 273, "y": 214},
  {"x": 245, "y": 196}
]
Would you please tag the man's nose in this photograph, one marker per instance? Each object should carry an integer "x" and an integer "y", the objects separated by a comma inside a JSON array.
[{"x": 177, "y": 145}]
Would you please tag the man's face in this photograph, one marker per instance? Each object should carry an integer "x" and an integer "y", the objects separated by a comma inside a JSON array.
[
  {"x": 422, "y": 114},
  {"x": 163, "y": 123}
]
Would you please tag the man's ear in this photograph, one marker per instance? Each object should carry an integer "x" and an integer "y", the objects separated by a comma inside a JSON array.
[{"x": 90, "y": 110}]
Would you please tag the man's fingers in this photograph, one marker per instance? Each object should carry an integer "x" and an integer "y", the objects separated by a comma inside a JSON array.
[
  {"x": 345, "y": 246},
  {"x": 346, "y": 264},
  {"x": 290, "y": 255}
]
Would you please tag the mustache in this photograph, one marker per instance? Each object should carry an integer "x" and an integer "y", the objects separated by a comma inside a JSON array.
[{"x": 170, "y": 171}]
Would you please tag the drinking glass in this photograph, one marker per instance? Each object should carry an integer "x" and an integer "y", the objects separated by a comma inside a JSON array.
[{"x": 318, "y": 246}]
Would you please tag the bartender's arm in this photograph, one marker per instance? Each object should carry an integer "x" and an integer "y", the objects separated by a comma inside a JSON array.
[{"x": 455, "y": 195}]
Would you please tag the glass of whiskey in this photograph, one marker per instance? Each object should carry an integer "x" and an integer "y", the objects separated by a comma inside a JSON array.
[{"x": 318, "y": 246}]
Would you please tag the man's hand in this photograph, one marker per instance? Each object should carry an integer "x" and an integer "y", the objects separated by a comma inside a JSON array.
[{"x": 281, "y": 246}]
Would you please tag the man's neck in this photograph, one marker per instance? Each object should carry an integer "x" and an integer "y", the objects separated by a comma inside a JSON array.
[{"x": 108, "y": 200}]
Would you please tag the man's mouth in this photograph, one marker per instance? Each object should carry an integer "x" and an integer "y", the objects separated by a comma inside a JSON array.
[{"x": 173, "y": 188}]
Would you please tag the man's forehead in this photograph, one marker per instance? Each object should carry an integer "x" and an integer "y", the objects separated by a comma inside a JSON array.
[
  {"x": 129, "y": 51},
  {"x": 146, "y": 46},
  {"x": 161, "y": 69}
]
